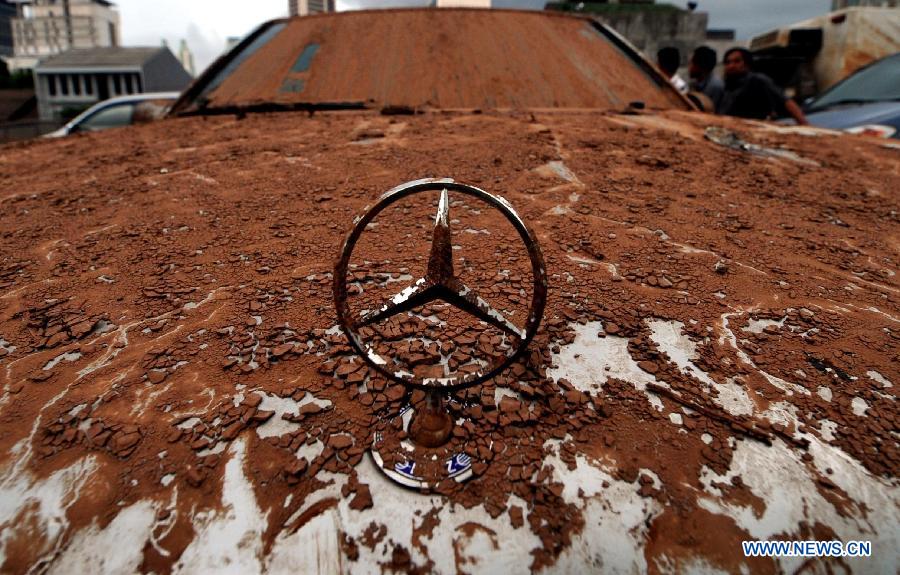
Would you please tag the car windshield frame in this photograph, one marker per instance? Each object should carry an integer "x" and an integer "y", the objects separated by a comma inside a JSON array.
[
  {"x": 862, "y": 81},
  {"x": 212, "y": 77}
]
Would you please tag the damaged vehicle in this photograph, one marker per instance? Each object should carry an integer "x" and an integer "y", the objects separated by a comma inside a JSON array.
[
  {"x": 715, "y": 359},
  {"x": 119, "y": 112},
  {"x": 867, "y": 102}
]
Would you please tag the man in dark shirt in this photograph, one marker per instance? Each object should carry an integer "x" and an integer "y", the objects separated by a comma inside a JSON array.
[
  {"x": 752, "y": 95},
  {"x": 669, "y": 59},
  {"x": 700, "y": 68}
]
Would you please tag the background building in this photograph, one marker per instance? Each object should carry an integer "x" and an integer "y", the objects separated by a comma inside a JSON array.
[
  {"x": 650, "y": 26},
  {"x": 72, "y": 81},
  {"x": 44, "y": 28},
  {"x": 7, "y": 13},
  {"x": 306, "y": 7},
  {"x": 186, "y": 57},
  {"x": 810, "y": 56}
]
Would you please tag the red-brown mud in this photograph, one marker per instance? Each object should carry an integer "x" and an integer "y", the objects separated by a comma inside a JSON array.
[
  {"x": 414, "y": 57},
  {"x": 718, "y": 359}
]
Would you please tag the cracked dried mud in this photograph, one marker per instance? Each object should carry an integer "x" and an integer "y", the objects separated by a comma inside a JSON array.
[{"x": 718, "y": 359}]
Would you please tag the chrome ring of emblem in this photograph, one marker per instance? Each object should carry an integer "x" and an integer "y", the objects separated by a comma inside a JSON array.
[{"x": 440, "y": 283}]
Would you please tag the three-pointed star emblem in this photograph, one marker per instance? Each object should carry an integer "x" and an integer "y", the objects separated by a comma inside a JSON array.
[{"x": 440, "y": 283}]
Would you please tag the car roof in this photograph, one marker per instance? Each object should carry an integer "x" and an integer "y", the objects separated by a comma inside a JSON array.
[
  {"x": 140, "y": 97},
  {"x": 447, "y": 58},
  {"x": 116, "y": 100}
]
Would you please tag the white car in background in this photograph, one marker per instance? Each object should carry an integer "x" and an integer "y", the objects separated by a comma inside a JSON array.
[{"x": 118, "y": 112}]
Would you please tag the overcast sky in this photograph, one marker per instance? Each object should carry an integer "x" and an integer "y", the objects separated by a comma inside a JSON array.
[{"x": 206, "y": 24}]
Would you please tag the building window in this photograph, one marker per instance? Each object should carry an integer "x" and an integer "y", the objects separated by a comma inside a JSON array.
[
  {"x": 76, "y": 84},
  {"x": 51, "y": 84},
  {"x": 127, "y": 80},
  {"x": 63, "y": 84},
  {"x": 117, "y": 84},
  {"x": 89, "y": 84},
  {"x": 138, "y": 85}
]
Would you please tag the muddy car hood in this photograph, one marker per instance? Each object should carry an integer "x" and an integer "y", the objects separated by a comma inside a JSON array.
[{"x": 718, "y": 360}]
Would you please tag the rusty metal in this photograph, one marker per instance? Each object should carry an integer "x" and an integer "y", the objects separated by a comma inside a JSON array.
[
  {"x": 440, "y": 283},
  {"x": 432, "y": 424},
  {"x": 510, "y": 59}
]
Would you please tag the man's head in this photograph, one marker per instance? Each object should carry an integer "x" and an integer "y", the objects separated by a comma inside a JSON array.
[
  {"x": 738, "y": 62},
  {"x": 703, "y": 62},
  {"x": 668, "y": 59}
]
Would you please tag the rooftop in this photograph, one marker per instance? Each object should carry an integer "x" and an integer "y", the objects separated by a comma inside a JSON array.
[{"x": 100, "y": 57}]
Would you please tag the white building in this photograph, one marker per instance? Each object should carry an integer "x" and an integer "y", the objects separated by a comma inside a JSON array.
[
  {"x": 44, "y": 28},
  {"x": 307, "y": 7}
]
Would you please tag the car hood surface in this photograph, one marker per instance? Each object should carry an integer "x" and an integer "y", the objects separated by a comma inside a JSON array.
[
  {"x": 717, "y": 363},
  {"x": 851, "y": 115}
]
